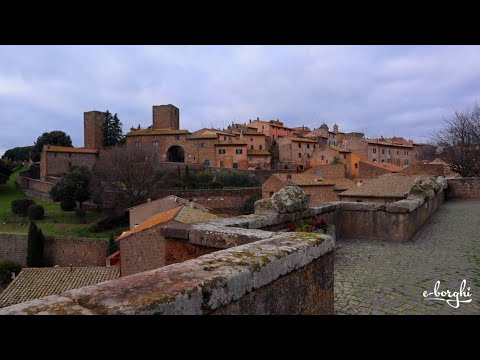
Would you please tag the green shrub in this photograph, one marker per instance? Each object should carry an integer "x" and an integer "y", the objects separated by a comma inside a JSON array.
[
  {"x": 68, "y": 204},
  {"x": 110, "y": 222},
  {"x": 35, "y": 246},
  {"x": 20, "y": 207},
  {"x": 8, "y": 267},
  {"x": 36, "y": 212}
]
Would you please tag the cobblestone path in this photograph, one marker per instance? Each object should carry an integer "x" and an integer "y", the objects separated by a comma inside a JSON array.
[{"x": 380, "y": 277}]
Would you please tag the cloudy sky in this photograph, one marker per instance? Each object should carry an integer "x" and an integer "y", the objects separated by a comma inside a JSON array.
[{"x": 379, "y": 90}]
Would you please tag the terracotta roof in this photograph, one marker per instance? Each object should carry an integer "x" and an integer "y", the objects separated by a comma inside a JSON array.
[
  {"x": 386, "y": 143},
  {"x": 258, "y": 152},
  {"x": 254, "y": 133},
  {"x": 384, "y": 165},
  {"x": 205, "y": 136},
  {"x": 339, "y": 149},
  {"x": 34, "y": 283},
  {"x": 51, "y": 148},
  {"x": 315, "y": 180},
  {"x": 151, "y": 132},
  {"x": 385, "y": 186},
  {"x": 151, "y": 222},
  {"x": 301, "y": 140},
  {"x": 190, "y": 216},
  {"x": 233, "y": 142}
]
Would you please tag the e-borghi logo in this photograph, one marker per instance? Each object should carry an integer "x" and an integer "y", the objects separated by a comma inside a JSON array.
[{"x": 454, "y": 299}]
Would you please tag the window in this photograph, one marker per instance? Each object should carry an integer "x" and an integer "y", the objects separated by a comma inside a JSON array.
[
  {"x": 314, "y": 146},
  {"x": 405, "y": 162},
  {"x": 177, "y": 137},
  {"x": 407, "y": 152},
  {"x": 69, "y": 165},
  {"x": 260, "y": 147},
  {"x": 374, "y": 150},
  {"x": 398, "y": 153},
  {"x": 308, "y": 146},
  {"x": 356, "y": 165},
  {"x": 299, "y": 145},
  {"x": 308, "y": 156},
  {"x": 299, "y": 155},
  {"x": 238, "y": 151},
  {"x": 389, "y": 153},
  {"x": 374, "y": 160},
  {"x": 383, "y": 151},
  {"x": 326, "y": 161},
  {"x": 221, "y": 151},
  {"x": 69, "y": 154},
  {"x": 225, "y": 138},
  {"x": 344, "y": 156},
  {"x": 383, "y": 160},
  {"x": 250, "y": 158},
  {"x": 235, "y": 165},
  {"x": 323, "y": 157},
  {"x": 251, "y": 147},
  {"x": 265, "y": 157},
  {"x": 155, "y": 144},
  {"x": 137, "y": 143},
  {"x": 262, "y": 127},
  {"x": 251, "y": 139}
]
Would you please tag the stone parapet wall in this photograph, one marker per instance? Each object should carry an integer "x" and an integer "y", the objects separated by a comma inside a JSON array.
[
  {"x": 293, "y": 271},
  {"x": 463, "y": 188}
]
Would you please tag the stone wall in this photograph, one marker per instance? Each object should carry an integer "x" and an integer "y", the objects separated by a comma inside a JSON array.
[
  {"x": 221, "y": 201},
  {"x": 463, "y": 188},
  {"x": 398, "y": 221},
  {"x": 14, "y": 248},
  {"x": 263, "y": 277},
  {"x": 57, "y": 250},
  {"x": 367, "y": 171},
  {"x": 35, "y": 185}
]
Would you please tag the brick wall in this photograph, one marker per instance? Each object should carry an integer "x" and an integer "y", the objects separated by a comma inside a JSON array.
[
  {"x": 178, "y": 251},
  {"x": 463, "y": 188},
  {"x": 166, "y": 117},
  {"x": 221, "y": 201},
  {"x": 59, "y": 163},
  {"x": 93, "y": 129},
  {"x": 367, "y": 171},
  {"x": 57, "y": 250},
  {"x": 142, "y": 251},
  {"x": 425, "y": 169},
  {"x": 14, "y": 248}
]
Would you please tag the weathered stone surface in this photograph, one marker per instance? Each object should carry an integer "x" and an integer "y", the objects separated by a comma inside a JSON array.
[
  {"x": 197, "y": 286},
  {"x": 289, "y": 199},
  {"x": 403, "y": 206},
  {"x": 175, "y": 230},
  {"x": 357, "y": 206}
]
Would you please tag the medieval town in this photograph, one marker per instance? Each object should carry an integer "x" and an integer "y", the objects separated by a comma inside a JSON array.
[{"x": 258, "y": 217}]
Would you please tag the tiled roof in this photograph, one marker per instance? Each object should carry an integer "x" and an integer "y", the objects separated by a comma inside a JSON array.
[
  {"x": 34, "y": 283},
  {"x": 315, "y": 180},
  {"x": 51, "y": 148},
  {"x": 204, "y": 136},
  {"x": 253, "y": 133},
  {"x": 232, "y": 142},
  {"x": 386, "y": 143},
  {"x": 151, "y": 222},
  {"x": 301, "y": 140},
  {"x": 151, "y": 132},
  {"x": 385, "y": 186},
  {"x": 384, "y": 165},
  {"x": 339, "y": 149},
  {"x": 190, "y": 216},
  {"x": 258, "y": 152}
]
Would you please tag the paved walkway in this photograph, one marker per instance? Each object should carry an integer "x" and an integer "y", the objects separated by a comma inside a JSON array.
[{"x": 379, "y": 277}]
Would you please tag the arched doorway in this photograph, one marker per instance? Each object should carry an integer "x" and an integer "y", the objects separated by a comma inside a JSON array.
[{"x": 176, "y": 154}]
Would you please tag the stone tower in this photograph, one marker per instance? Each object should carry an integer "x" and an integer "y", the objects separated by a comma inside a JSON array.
[
  {"x": 93, "y": 129},
  {"x": 335, "y": 128},
  {"x": 166, "y": 117}
]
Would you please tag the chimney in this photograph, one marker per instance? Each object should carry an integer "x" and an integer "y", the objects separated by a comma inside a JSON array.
[
  {"x": 241, "y": 134},
  {"x": 249, "y": 121},
  {"x": 258, "y": 119}
]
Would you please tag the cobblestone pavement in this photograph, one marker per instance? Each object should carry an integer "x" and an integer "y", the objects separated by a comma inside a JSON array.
[{"x": 380, "y": 277}]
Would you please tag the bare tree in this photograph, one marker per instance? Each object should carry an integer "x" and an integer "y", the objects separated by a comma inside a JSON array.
[
  {"x": 459, "y": 142},
  {"x": 125, "y": 176}
]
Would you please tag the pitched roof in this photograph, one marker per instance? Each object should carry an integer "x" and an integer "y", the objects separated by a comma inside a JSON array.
[
  {"x": 34, "y": 283},
  {"x": 301, "y": 140},
  {"x": 52, "y": 148},
  {"x": 385, "y": 186},
  {"x": 258, "y": 152},
  {"x": 186, "y": 214},
  {"x": 152, "y": 132},
  {"x": 384, "y": 165},
  {"x": 315, "y": 180},
  {"x": 386, "y": 143},
  {"x": 151, "y": 222},
  {"x": 190, "y": 216},
  {"x": 204, "y": 136}
]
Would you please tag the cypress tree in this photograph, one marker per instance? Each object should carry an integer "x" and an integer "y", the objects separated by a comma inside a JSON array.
[{"x": 35, "y": 246}]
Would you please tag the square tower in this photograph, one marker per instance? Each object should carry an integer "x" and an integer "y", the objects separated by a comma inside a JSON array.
[
  {"x": 166, "y": 117},
  {"x": 93, "y": 129}
]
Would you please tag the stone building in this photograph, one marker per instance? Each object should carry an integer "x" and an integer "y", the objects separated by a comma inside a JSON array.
[
  {"x": 274, "y": 129},
  {"x": 327, "y": 154},
  {"x": 318, "y": 189},
  {"x": 371, "y": 170},
  {"x": 295, "y": 153},
  {"x": 143, "y": 248},
  {"x": 231, "y": 154},
  {"x": 383, "y": 150},
  {"x": 57, "y": 161}
]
